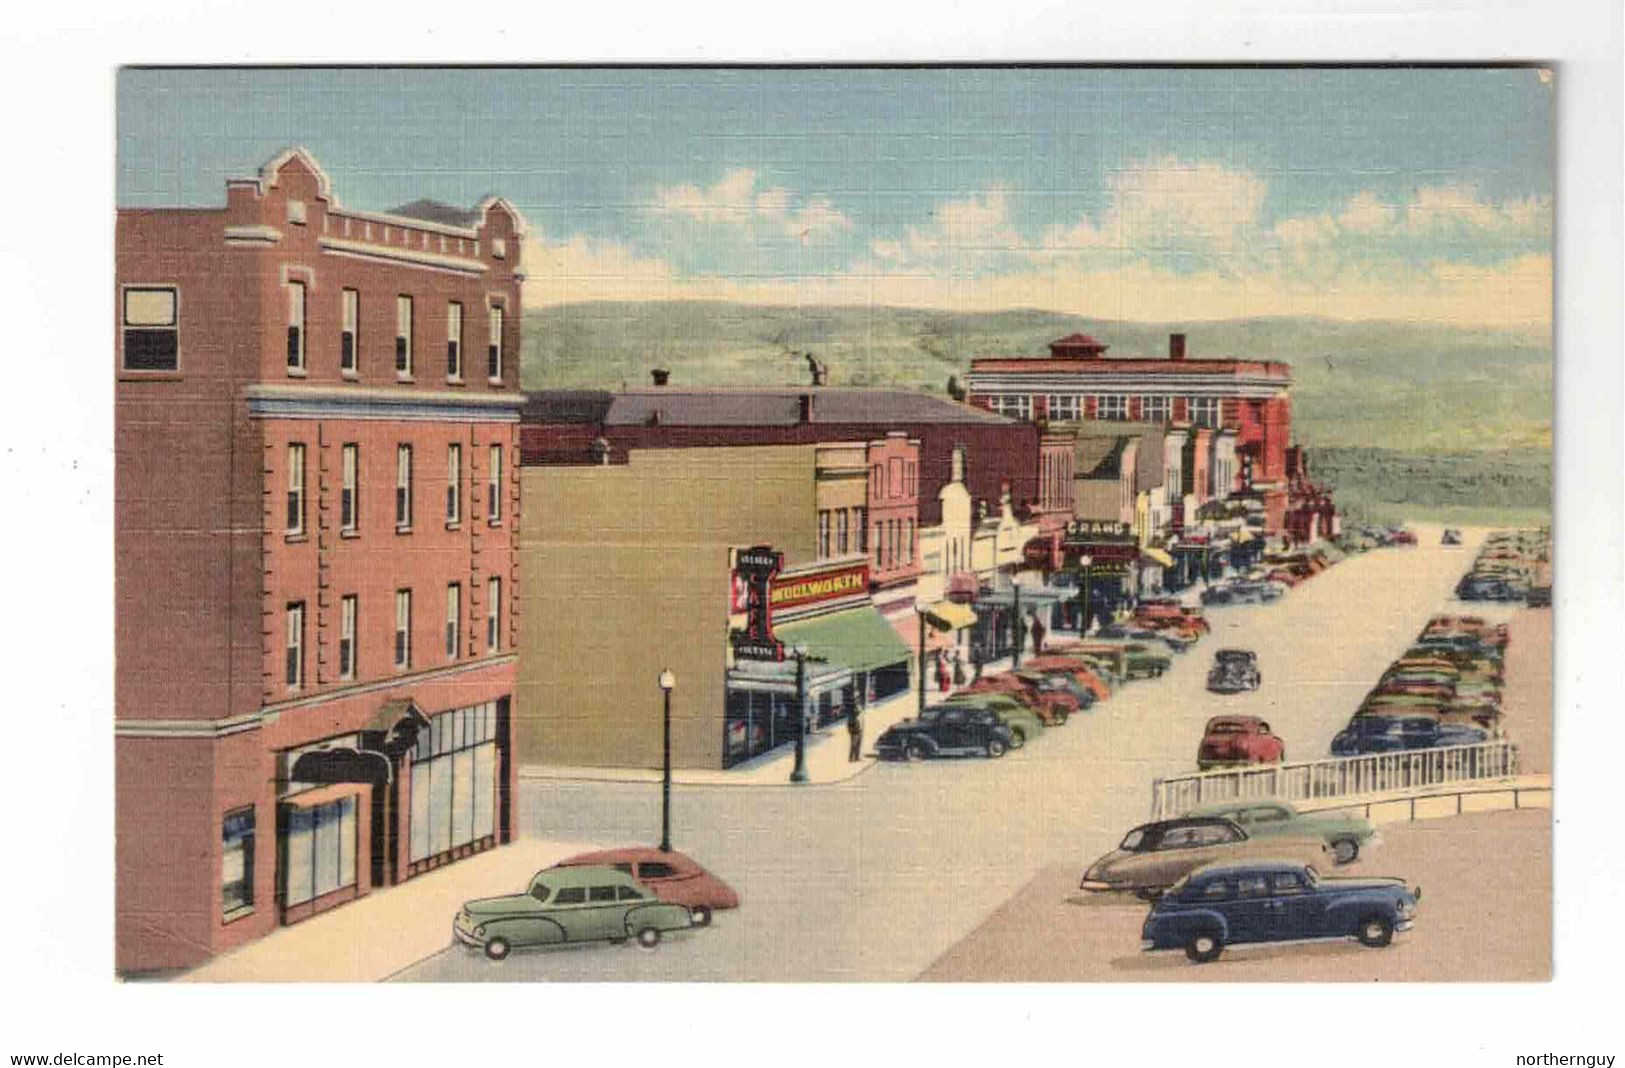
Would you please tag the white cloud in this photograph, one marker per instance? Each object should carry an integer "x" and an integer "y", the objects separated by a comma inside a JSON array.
[
  {"x": 735, "y": 201},
  {"x": 1169, "y": 205}
]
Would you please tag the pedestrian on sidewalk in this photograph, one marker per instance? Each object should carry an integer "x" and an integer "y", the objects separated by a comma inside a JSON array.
[
  {"x": 854, "y": 732},
  {"x": 976, "y": 661},
  {"x": 1039, "y": 630},
  {"x": 944, "y": 681},
  {"x": 959, "y": 669}
]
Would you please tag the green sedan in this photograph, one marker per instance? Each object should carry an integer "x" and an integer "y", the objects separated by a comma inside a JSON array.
[
  {"x": 587, "y": 904},
  {"x": 1346, "y": 835},
  {"x": 1023, "y": 722}
]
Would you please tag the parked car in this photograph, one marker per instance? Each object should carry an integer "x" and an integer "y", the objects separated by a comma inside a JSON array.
[
  {"x": 1237, "y": 904},
  {"x": 1480, "y": 587},
  {"x": 1127, "y": 660},
  {"x": 1451, "y": 536},
  {"x": 1086, "y": 677},
  {"x": 1024, "y": 723},
  {"x": 1242, "y": 592},
  {"x": 1345, "y": 834},
  {"x": 1080, "y": 697},
  {"x": 1234, "y": 671},
  {"x": 1155, "y": 856},
  {"x": 1153, "y": 611},
  {"x": 588, "y": 904},
  {"x": 1052, "y": 706},
  {"x": 1388, "y": 734},
  {"x": 1403, "y": 537},
  {"x": 945, "y": 732},
  {"x": 1539, "y": 596},
  {"x": 672, "y": 876},
  {"x": 1231, "y": 740},
  {"x": 1175, "y": 641}
]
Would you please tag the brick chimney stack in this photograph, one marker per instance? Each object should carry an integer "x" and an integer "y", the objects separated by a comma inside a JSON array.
[{"x": 1176, "y": 347}]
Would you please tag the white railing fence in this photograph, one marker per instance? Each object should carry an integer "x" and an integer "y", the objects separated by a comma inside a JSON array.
[{"x": 1358, "y": 776}]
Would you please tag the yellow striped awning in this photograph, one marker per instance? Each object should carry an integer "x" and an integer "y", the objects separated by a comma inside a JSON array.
[
  {"x": 1157, "y": 556},
  {"x": 957, "y": 616}
]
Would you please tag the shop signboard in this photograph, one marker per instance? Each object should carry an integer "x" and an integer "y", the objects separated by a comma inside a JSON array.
[
  {"x": 1104, "y": 541},
  {"x": 816, "y": 587},
  {"x": 754, "y": 571}
]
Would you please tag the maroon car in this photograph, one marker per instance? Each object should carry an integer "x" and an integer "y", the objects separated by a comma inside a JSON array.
[
  {"x": 673, "y": 877},
  {"x": 1234, "y": 740}
]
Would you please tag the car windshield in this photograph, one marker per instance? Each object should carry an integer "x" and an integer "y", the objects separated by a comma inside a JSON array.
[
  {"x": 1134, "y": 841},
  {"x": 1225, "y": 728}
]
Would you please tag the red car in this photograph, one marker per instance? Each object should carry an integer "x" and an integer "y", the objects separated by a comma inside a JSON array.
[
  {"x": 1164, "y": 612},
  {"x": 1403, "y": 537},
  {"x": 1232, "y": 740},
  {"x": 1052, "y": 706},
  {"x": 673, "y": 877},
  {"x": 1074, "y": 667}
]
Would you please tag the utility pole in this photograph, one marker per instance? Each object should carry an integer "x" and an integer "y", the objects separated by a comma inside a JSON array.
[
  {"x": 667, "y": 682},
  {"x": 921, "y": 613},
  {"x": 799, "y": 772},
  {"x": 1015, "y": 627}
]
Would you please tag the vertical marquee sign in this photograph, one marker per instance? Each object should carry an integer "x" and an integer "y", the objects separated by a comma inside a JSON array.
[{"x": 755, "y": 569}]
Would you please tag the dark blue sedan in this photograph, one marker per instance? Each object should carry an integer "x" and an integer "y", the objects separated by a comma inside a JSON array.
[
  {"x": 1393, "y": 734},
  {"x": 1273, "y": 901}
]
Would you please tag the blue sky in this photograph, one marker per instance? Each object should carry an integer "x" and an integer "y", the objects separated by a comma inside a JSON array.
[{"x": 1124, "y": 193}]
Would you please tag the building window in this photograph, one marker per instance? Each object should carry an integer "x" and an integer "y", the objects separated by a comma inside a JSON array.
[
  {"x": 349, "y": 331},
  {"x": 237, "y": 863},
  {"x": 908, "y": 541},
  {"x": 823, "y": 534},
  {"x": 348, "y": 607},
  {"x": 296, "y": 328},
  {"x": 1156, "y": 409},
  {"x": 1015, "y": 405},
  {"x": 454, "y": 341},
  {"x": 296, "y": 490},
  {"x": 1065, "y": 406},
  {"x": 454, "y": 785},
  {"x": 1205, "y": 411},
  {"x": 403, "y": 336},
  {"x": 493, "y": 352},
  {"x": 403, "y": 487},
  {"x": 843, "y": 533},
  {"x": 454, "y": 618},
  {"x": 860, "y": 528},
  {"x": 493, "y": 614},
  {"x": 151, "y": 330},
  {"x": 454, "y": 484},
  {"x": 403, "y": 629},
  {"x": 1113, "y": 406},
  {"x": 493, "y": 486},
  {"x": 320, "y": 850},
  {"x": 296, "y": 212},
  {"x": 295, "y": 649},
  {"x": 350, "y": 490},
  {"x": 877, "y": 546}
]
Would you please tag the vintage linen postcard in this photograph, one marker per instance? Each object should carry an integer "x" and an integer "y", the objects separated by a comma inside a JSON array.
[{"x": 832, "y": 524}]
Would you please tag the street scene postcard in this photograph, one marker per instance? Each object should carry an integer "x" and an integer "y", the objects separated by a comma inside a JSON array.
[{"x": 955, "y": 524}]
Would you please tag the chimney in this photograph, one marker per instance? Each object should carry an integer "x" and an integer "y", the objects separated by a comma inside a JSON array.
[
  {"x": 660, "y": 375},
  {"x": 1176, "y": 346},
  {"x": 804, "y": 412}
]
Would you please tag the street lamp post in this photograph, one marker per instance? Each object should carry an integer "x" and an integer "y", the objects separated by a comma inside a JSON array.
[
  {"x": 918, "y": 611},
  {"x": 1084, "y": 614},
  {"x": 1015, "y": 626},
  {"x": 667, "y": 682},
  {"x": 799, "y": 772}
]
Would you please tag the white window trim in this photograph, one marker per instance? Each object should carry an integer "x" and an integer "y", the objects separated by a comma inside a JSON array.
[
  {"x": 403, "y": 649},
  {"x": 493, "y": 485},
  {"x": 497, "y": 320},
  {"x": 350, "y": 323},
  {"x": 349, "y": 623},
  {"x": 493, "y": 614},
  {"x": 350, "y": 482},
  {"x": 403, "y": 481},
  {"x": 297, "y": 474},
  {"x": 454, "y": 485},
  {"x": 454, "y": 336},
  {"x": 124, "y": 367},
  {"x": 454, "y": 619},
  {"x": 404, "y": 305},
  {"x": 295, "y": 644}
]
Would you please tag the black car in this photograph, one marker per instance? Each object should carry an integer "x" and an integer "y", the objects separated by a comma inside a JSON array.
[
  {"x": 1451, "y": 536},
  {"x": 1490, "y": 588},
  {"x": 945, "y": 732},
  {"x": 1389, "y": 734},
  {"x": 1540, "y": 597},
  {"x": 1234, "y": 671}
]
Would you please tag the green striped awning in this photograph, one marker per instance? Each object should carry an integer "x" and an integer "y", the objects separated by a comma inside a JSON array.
[{"x": 858, "y": 638}]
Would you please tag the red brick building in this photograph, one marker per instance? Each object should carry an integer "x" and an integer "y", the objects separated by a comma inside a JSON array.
[
  {"x": 316, "y": 434},
  {"x": 894, "y": 510},
  {"x": 1078, "y": 381}
]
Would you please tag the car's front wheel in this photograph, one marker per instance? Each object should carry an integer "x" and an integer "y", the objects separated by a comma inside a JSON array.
[
  {"x": 1204, "y": 946},
  {"x": 497, "y": 948},
  {"x": 916, "y": 751},
  {"x": 1018, "y": 738},
  {"x": 702, "y": 915},
  {"x": 1345, "y": 850},
  {"x": 1061, "y": 717},
  {"x": 649, "y": 938},
  {"x": 995, "y": 748},
  {"x": 1376, "y": 931}
]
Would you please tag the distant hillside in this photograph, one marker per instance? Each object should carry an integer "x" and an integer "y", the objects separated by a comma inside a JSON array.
[{"x": 1416, "y": 389}]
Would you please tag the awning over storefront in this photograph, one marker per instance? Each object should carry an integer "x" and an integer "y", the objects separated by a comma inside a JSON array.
[
  {"x": 1031, "y": 597},
  {"x": 859, "y": 639},
  {"x": 399, "y": 720},
  {"x": 956, "y": 616},
  {"x": 1156, "y": 556},
  {"x": 341, "y": 764},
  {"x": 779, "y": 676}
]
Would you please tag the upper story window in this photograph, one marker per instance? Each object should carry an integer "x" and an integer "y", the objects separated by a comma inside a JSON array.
[
  {"x": 403, "y": 487},
  {"x": 823, "y": 533},
  {"x": 454, "y": 484},
  {"x": 1065, "y": 406},
  {"x": 493, "y": 486},
  {"x": 296, "y": 489},
  {"x": 1156, "y": 409},
  {"x": 454, "y": 618},
  {"x": 1205, "y": 411},
  {"x": 403, "y": 336},
  {"x": 493, "y": 351},
  {"x": 493, "y": 614},
  {"x": 296, "y": 328},
  {"x": 348, "y": 608},
  {"x": 1015, "y": 405},
  {"x": 403, "y": 628},
  {"x": 350, "y": 332},
  {"x": 1113, "y": 406},
  {"x": 350, "y": 490},
  {"x": 843, "y": 532},
  {"x": 151, "y": 328},
  {"x": 295, "y": 648},
  {"x": 499, "y": 248},
  {"x": 454, "y": 341},
  {"x": 296, "y": 212}
]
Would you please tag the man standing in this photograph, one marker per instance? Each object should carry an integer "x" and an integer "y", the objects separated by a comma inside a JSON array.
[
  {"x": 1039, "y": 630},
  {"x": 854, "y": 732}
]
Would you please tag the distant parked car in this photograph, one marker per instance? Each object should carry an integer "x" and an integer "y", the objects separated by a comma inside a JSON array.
[
  {"x": 591, "y": 904},
  {"x": 1451, "y": 536},
  {"x": 1242, "y": 591},
  {"x": 1131, "y": 632},
  {"x": 1490, "y": 588},
  {"x": 673, "y": 877},
  {"x": 1024, "y": 723},
  {"x": 1402, "y": 536},
  {"x": 1540, "y": 597},
  {"x": 1051, "y": 705},
  {"x": 1234, "y": 671},
  {"x": 1236, "y": 904},
  {"x": 1233, "y": 740},
  {"x": 1161, "y": 611},
  {"x": 1155, "y": 856},
  {"x": 945, "y": 732},
  {"x": 1388, "y": 734},
  {"x": 1345, "y": 834},
  {"x": 1086, "y": 678}
]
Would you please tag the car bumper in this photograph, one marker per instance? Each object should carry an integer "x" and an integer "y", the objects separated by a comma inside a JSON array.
[
  {"x": 1097, "y": 885},
  {"x": 467, "y": 937},
  {"x": 1404, "y": 925}
]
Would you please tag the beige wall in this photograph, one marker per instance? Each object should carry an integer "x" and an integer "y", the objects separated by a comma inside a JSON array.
[{"x": 625, "y": 572}]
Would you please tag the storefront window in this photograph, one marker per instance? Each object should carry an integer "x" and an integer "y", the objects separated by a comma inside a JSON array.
[
  {"x": 454, "y": 781},
  {"x": 237, "y": 862},
  {"x": 319, "y": 850}
]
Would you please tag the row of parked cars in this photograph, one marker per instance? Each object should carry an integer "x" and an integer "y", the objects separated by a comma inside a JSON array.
[
  {"x": 1444, "y": 690},
  {"x": 1250, "y": 871},
  {"x": 1512, "y": 565},
  {"x": 998, "y": 713}
]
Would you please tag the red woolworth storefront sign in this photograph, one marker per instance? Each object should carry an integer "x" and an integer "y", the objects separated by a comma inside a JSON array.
[
  {"x": 760, "y": 592},
  {"x": 798, "y": 591}
]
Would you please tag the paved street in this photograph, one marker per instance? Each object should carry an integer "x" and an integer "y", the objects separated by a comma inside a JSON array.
[{"x": 877, "y": 877}]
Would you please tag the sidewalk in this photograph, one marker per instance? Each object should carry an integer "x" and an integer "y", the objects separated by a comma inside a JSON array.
[{"x": 369, "y": 940}]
